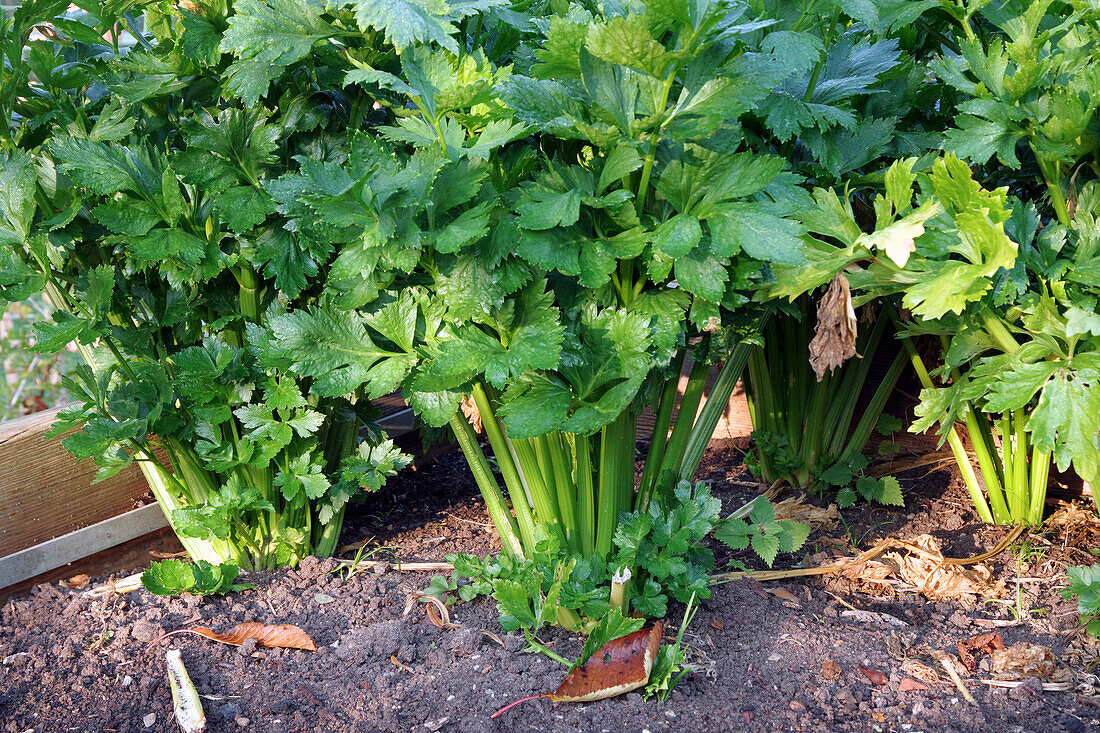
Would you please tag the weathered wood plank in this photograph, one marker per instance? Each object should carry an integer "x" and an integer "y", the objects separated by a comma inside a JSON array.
[{"x": 45, "y": 493}]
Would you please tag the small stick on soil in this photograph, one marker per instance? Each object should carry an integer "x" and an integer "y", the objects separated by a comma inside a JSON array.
[
  {"x": 945, "y": 662},
  {"x": 1047, "y": 686},
  {"x": 409, "y": 567}
]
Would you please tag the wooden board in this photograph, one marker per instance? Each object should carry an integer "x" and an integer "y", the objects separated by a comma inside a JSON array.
[{"x": 46, "y": 493}]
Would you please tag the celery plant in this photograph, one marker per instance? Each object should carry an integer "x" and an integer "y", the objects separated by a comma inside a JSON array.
[
  {"x": 551, "y": 238},
  {"x": 136, "y": 194},
  {"x": 803, "y": 425}
]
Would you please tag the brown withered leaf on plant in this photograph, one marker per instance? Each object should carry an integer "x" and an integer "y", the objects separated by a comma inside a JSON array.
[
  {"x": 284, "y": 636},
  {"x": 980, "y": 644},
  {"x": 617, "y": 667},
  {"x": 834, "y": 340},
  {"x": 798, "y": 509},
  {"x": 1024, "y": 660},
  {"x": 473, "y": 416}
]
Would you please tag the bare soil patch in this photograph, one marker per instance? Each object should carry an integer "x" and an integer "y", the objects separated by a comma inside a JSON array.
[{"x": 796, "y": 660}]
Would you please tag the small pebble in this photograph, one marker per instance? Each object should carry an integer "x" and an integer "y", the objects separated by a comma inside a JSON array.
[
  {"x": 243, "y": 721},
  {"x": 149, "y": 720},
  {"x": 323, "y": 598}
]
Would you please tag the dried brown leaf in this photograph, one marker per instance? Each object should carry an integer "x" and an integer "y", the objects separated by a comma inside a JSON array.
[
  {"x": 790, "y": 600},
  {"x": 830, "y": 670},
  {"x": 77, "y": 581},
  {"x": 834, "y": 340},
  {"x": 1082, "y": 651},
  {"x": 798, "y": 509},
  {"x": 911, "y": 685},
  {"x": 980, "y": 644},
  {"x": 1024, "y": 660},
  {"x": 473, "y": 416},
  {"x": 919, "y": 671},
  {"x": 284, "y": 636},
  {"x": 918, "y": 565},
  {"x": 617, "y": 667},
  {"x": 441, "y": 619}
]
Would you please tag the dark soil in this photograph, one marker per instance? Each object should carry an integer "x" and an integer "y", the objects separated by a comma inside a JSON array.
[{"x": 73, "y": 663}]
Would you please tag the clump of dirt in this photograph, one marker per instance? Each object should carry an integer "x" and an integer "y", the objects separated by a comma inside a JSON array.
[{"x": 775, "y": 656}]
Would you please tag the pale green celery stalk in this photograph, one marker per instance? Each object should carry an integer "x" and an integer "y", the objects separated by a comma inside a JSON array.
[
  {"x": 813, "y": 430},
  {"x": 561, "y": 462},
  {"x": 985, "y": 451},
  {"x": 544, "y": 500},
  {"x": 1052, "y": 177},
  {"x": 842, "y": 410},
  {"x": 870, "y": 417},
  {"x": 340, "y": 442},
  {"x": 616, "y": 477},
  {"x": 167, "y": 491},
  {"x": 703, "y": 429},
  {"x": 759, "y": 394},
  {"x": 549, "y": 450},
  {"x": 1021, "y": 489},
  {"x": 953, "y": 439},
  {"x": 659, "y": 439},
  {"x": 508, "y": 469},
  {"x": 1040, "y": 473},
  {"x": 794, "y": 403},
  {"x": 681, "y": 430},
  {"x": 483, "y": 474},
  {"x": 586, "y": 494}
]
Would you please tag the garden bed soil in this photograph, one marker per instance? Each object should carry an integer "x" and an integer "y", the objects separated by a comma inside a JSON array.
[{"x": 766, "y": 662}]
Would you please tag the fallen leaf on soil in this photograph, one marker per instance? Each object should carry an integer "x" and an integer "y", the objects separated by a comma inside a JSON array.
[
  {"x": 799, "y": 510},
  {"x": 437, "y": 609},
  {"x": 877, "y": 676},
  {"x": 77, "y": 581},
  {"x": 911, "y": 685},
  {"x": 873, "y": 617},
  {"x": 898, "y": 643},
  {"x": 285, "y": 636},
  {"x": 830, "y": 670},
  {"x": 1082, "y": 650},
  {"x": 717, "y": 625},
  {"x": 834, "y": 340},
  {"x": 1023, "y": 660},
  {"x": 919, "y": 671},
  {"x": 495, "y": 638},
  {"x": 918, "y": 565},
  {"x": 619, "y": 666},
  {"x": 393, "y": 658},
  {"x": 790, "y": 600},
  {"x": 983, "y": 643}
]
